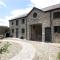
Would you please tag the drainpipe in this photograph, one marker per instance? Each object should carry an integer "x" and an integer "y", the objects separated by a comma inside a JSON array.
[
  {"x": 52, "y": 28},
  {"x": 26, "y": 28}
]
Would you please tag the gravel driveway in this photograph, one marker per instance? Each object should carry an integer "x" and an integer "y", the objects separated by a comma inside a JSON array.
[{"x": 42, "y": 51}]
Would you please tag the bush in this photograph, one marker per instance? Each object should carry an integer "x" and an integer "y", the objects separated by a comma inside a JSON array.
[
  {"x": 4, "y": 48},
  {"x": 58, "y": 56}
]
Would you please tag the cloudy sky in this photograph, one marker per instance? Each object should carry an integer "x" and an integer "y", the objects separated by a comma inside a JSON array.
[{"x": 13, "y": 8}]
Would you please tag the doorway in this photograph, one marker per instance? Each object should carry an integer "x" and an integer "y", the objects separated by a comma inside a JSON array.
[
  {"x": 36, "y": 32},
  {"x": 48, "y": 35}
]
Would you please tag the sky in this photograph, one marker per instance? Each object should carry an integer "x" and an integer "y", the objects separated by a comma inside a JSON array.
[{"x": 10, "y": 9}]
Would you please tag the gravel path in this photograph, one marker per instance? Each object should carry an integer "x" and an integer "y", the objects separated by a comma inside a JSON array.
[
  {"x": 13, "y": 50},
  {"x": 45, "y": 51},
  {"x": 27, "y": 52},
  {"x": 32, "y": 50}
]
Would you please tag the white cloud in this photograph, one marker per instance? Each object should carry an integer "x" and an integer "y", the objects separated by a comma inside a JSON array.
[
  {"x": 2, "y": 4},
  {"x": 13, "y": 14},
  {"x": 3, "y": 22},
  {"x": 20, "y": 12},
  {"x": 44, "y": 3}
]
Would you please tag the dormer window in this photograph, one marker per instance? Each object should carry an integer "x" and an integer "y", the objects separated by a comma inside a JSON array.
[
  {"x": 34, "y": 14},
  {"x": 56, "y": 15}
]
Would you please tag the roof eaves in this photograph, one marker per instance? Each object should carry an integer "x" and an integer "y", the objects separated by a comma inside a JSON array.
[{"x": 52, "y": 9}]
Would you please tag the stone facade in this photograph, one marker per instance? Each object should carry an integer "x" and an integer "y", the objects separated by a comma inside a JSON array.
[
  {"x": 43, "y": 19},
  {"x": 19, "y": 26},
  {"x": 55, "y": 22}
]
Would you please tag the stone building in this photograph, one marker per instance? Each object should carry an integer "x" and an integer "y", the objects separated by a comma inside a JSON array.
[{"x": 38, "y": 25}]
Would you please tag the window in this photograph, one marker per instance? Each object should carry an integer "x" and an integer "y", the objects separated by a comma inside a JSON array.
[
  {"x": 23, "y": 21},
  {"x": 12, "y": 30},
  {"x": 57, "y": 29},
  {"x": 17, "y": 32},
  {"x": 23, "y": 30},
  {"x": 34, "y": 14},
  {"x": 17, "y": 22},
  {"x": 12, "y": 22},
  {"x": 56, "y": 15}
]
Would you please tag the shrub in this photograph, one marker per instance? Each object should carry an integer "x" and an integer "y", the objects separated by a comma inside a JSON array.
[
  {"x": 58, "y": 56},
  {"x": 4, "y": 48}
]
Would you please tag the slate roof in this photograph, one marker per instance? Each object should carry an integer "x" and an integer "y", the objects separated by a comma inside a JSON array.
[{"x": 53, "y": 7}]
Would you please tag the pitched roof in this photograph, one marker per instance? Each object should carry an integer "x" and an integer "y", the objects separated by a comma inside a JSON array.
[
  {"x": 53, "y": 7},
  {"x": 24, "y": 15},
  {"x": 19, "y": 17},
  {"x": 47, "y": 9},
  {"x": 33, "y": 9}
]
